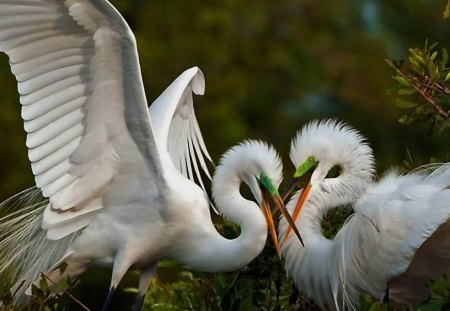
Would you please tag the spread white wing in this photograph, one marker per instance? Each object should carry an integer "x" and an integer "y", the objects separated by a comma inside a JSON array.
[
  {"x": 176, "y": 128},
  {"x": 83, "y": 105}
]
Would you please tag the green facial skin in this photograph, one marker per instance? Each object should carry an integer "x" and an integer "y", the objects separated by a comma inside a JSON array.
[
  {"x": 305, "y": 167},
  {"x": 267, "y": 183}
]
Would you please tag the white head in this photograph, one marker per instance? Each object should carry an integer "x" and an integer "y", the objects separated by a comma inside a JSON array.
[
  {"x": 248, "y": 162},
  {"x": 341, "y": 162},
  {"x": 259, "y": 166},
  {"x": 330, "y": 143}
]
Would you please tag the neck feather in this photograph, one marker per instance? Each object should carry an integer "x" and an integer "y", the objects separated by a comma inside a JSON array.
[{"x": 215, "y": 253}]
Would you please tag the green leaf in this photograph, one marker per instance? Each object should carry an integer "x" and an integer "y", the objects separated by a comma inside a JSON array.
[
  {"x": 418, "y": 58},
  {"x": 447, "y": 77},
  {"x": 401, "y": 80},
  {"x": 168, "y": 264},
  {"x": 444, "y": 56},
  {"x": 43, "y": 285},
  {"x": 405, "y": 92},
  {"x": 414, "y": 63},
  {"x": 433, "y": 56},
  {"x": 431, "y": 47},
  {"x": 447, "y": 10},
  {"x": 405, "y": 104},
  {"x": 222, "y": 280},
  {"x": 404, "y": 119}
]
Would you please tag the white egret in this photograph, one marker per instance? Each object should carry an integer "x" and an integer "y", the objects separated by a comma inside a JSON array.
[
  {"x": 394, "y": 242},
  {"x": 112, "y": 174}
]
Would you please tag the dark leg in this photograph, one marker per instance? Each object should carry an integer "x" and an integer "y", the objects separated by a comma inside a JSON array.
[
  {"x": 386, "y": 295},
  {"x": 108, "y": 300},
  {"x": 138, "y": 302}
]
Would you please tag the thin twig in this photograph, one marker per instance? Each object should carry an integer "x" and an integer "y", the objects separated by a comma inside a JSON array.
[
  {"x": 438, "y": 88},
  {"x": 68, "y": 294},
  {"x": 424, "y": 95}
]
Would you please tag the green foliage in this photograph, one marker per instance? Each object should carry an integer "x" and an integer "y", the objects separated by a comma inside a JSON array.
[
  {"x": 368, "y": 303},
  {"x": 334, "y": 220},
  {"x": 45, "y": 294},
  {"x": 441, "y": 296},
  {"x": 423, "y": 86}
]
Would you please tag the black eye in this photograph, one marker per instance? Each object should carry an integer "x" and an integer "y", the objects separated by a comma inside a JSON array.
[
  {"x": 263, "y": 177},
  {"x": 334, "y": 172}
]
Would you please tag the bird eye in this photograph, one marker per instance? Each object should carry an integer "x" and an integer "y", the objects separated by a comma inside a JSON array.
[
  {"x": 311, "y": 159},
  {"x": 263, "y": 177}
]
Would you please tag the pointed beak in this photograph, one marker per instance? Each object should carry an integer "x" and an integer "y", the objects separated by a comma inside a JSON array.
[
  {"x": 304, "y": 168},
  {"x": 290, "y": 187},
  {"x": 270, "y": 224},
  {"x": 301, "y": 201},
  {"x": 269, "y": 217}
]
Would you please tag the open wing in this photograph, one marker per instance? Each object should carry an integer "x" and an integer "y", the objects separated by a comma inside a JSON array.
[
  {"x": 83, "y": 105},
  {"x": 176, "y": 128}
]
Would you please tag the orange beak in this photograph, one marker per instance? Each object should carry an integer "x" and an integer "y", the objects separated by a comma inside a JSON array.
[
  {"x": 298, "y": 207},
  {"x": 269, "y": 219},
  {"x": 270, "y": 224}
]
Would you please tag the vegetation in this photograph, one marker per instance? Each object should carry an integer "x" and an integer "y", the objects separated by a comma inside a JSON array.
[{"x": 270, "y": 66}]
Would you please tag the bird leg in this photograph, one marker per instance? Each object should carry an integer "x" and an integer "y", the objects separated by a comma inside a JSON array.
[
  {"x": 108, "y": 300},
  {"x": 121, "y": 266},
  {"x": 138, "y": 302},
  {"x": 145, "y": 277},
  {"x": 386, "y": 295}
]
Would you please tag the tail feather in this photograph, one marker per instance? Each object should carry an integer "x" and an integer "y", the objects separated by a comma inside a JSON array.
[{"x": 25, "y": 251}]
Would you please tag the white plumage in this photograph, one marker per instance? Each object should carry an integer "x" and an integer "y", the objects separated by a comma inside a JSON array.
[
  {"x": 394, "y": 242},
  {"x": 118, "y": 179}
]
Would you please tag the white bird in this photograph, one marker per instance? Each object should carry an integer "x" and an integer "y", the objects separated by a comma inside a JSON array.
[
  {"x": 397, "y": 238},
  {"x": 113, "y": 175}
]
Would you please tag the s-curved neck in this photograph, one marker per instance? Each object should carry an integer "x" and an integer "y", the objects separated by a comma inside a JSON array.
[
  {"x": 212, "y": 252},
  {"x": 219, "y": 254}
]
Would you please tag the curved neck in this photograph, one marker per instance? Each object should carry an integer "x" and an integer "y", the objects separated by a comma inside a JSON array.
[
  {"x": 207, "y": 250},
  {"x": 328, "y": 194},
  {"x": 315, "y": 267},
  {"x": 319, "y": 253}
]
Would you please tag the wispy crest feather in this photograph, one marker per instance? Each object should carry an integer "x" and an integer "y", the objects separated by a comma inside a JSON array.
[
  {"x": 250, "y": 157},
  {"x": 328, "y": 138}
]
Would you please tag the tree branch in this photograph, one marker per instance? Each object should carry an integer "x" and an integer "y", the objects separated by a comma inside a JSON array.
[{"x": 424, "y": 95}]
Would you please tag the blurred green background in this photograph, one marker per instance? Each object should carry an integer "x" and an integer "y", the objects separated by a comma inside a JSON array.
[{"x": 270, "y": 66}]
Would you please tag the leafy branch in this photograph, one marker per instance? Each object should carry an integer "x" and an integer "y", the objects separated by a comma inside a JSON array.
[{"x": 423, "y": 86}]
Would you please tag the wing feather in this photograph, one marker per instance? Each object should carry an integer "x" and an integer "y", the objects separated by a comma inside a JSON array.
[
  {"x": 54, "y": 114},
  {"x": 42, "y": 151},
  {"x": 44, "y": 105},
  {"x": 176, "y": 127},
  {"x": 391, "y": 225},
  {"x": 83, "y": 105}
]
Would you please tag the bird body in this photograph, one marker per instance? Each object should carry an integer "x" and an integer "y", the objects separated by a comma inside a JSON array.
[
  {"x": 392, "y": 243},
  {"x": 116, "y": 178}
]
